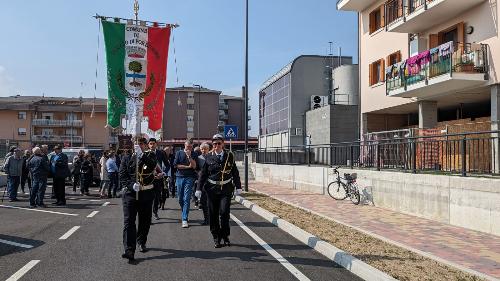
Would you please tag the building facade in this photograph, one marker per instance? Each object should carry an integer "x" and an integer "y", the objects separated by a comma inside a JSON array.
[
  {"x": 232, "y": 112},
  {"x": 424, "y": 63},
  {"x": 286, "y": 96},
  {"x": 28, "y": 121}
]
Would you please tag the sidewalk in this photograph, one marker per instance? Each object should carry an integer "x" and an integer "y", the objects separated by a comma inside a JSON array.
[{"x": 466, "y": 248}]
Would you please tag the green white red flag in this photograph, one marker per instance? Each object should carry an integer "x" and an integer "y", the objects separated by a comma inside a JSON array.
[{"x": 136, "y": 59}]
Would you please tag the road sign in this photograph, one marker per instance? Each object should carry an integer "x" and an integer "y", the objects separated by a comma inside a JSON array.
[{"x": 230, "y": 132}]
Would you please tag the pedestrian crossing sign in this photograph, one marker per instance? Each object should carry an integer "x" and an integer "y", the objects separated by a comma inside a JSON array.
[{"x": 230, "y": 132}]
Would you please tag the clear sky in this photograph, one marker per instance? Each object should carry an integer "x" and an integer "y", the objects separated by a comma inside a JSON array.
[{"x": 50, "y": 46}]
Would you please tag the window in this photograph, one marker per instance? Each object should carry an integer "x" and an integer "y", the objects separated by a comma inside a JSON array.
[
  {"x": 21, "y": 131},
  {"x": 394, "y": 11},
  {"x": 414, "y": 50},
  {"x": 21, "y": 115},
  {"x": 190, "y": 106},
  {"x": 190, "y": 129},
  {"x": 377, "y": 19},
  {"x": 71, "y": 132},
  {"x": 393, "y": 58},
  {"x": 190, "y": 118},
  {"x": 71, "y": 116},
  {"x": 376, "y": 72},
  {"x": 47, "y": 132},
  {"x": 190, "y": 95}
]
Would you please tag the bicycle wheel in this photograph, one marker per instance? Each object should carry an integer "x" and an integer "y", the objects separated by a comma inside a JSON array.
[
  {"x": 354, "y": 194},
  {"x": 337, "y": 190}
]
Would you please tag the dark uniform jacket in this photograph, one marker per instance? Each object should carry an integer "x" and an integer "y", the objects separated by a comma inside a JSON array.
[
  {"x": 147, "y": 166},
  {"x": 219, "y": 170}
]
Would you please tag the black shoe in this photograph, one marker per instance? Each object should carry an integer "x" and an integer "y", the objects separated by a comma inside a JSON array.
[
  {"x": 61, "y": 204},
  {"x": 162, "y": 207},
  {"x": 55, "y": 203},
  {"x": 227, "y": 242},
  {"x": 128, "y": 255},
  {"x": 217, "y": 243},
  {"x": 156, "y": 217},
  {"x": 32, "y": 206},
  {"x": 143, "y": 248},
  {"x": 53, "y": 197},
  {"x": 42, "y": 206}
]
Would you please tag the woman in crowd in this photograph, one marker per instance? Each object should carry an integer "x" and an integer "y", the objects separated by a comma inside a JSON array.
[
  {"x": 103, "y": 175},
  {"x": 86, "y": 174}
]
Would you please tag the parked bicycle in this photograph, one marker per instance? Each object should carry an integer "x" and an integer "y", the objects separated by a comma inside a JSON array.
[{"x": 340, "y": 190}]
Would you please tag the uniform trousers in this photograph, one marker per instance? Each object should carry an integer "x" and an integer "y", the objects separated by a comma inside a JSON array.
[
  {"x": 133, "y": 208},
  {"x": 157, "y": 189},
  {"x": 59, "y": 185},
  {"x": 218, "y": 212}
]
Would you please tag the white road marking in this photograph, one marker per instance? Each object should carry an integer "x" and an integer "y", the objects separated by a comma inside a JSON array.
[
  {"x": 106, "y": 204},
  {"x": 38, "y": 210},
  {"x": 284, "y": 262},
  {"x": 16, "y": 244},
  {"x": 83, "y": 199},
  {"x": 68, "y": 234},
  {"x": 16, "y": 276},
  {"x": 92, "y": 214}
]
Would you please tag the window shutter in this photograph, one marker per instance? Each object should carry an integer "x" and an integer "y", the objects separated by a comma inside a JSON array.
[
  {"x": 382, "y": 15},
  {"x": 370, "y": 74},
  {"x": 382, "y": 70},
  {"x": 400, "y": 9},
  {"x": 398, "y": 56},
  {"x": 372, "y": 23},
  {"x": 388, "y": 60},
  {"x": 433, "y": 41}
]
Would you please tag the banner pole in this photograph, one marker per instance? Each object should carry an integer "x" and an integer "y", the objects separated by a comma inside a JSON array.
[{"x": 137, "y": 114}]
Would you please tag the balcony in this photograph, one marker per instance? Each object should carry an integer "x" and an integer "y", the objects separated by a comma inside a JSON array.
[
  {"x": 190, "y": 112},
  {"x": 445, "y": 69},
  {"x": 56, "y": 139},
  {"x": 223, "y": 106},
  {"x": 419, "y": 15},
  {"x": 222, "y": 123},
  {"x": 56, "y": 123},
  {"x": 223, "y": 116},
  {"x": 353, "y": 5},
  {"x": 190, "y": 100}
]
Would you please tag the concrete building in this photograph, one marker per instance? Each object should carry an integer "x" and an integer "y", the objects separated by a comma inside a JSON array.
[
  {"x": 286, "y": 96},
  {"x": 339, "y": 120},
  {"x": 29, "y": 120},
  {"x": 199, "y": 113},
  {"x": 425, "y": 63},
  {"x": 232, "y": 112}
]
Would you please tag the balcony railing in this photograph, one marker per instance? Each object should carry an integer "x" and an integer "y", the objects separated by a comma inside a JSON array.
[
  {"x": 55, "y": 138},
  {"x": 223, "y": 106},
  {"x": 414, "y": 16},
  {"x": 57, "y": 123},
  {"x": 447, "y": 59}
]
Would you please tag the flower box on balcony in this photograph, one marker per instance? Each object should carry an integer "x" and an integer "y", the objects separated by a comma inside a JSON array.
[{"x": 464, "y": 67}]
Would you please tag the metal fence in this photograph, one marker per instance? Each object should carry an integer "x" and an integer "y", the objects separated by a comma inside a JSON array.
[{"x": 471, "y": 153}]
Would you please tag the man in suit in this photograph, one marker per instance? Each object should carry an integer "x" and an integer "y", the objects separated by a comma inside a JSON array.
[
  {"x": 60, "y": 171},
  {"x": 161, "y": 158}
]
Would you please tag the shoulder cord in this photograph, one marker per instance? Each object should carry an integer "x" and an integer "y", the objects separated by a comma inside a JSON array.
[{"x": 225, "y": 165}]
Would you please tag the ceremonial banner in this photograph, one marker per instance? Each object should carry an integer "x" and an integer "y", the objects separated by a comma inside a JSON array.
[{"x": 136, "y": 57}]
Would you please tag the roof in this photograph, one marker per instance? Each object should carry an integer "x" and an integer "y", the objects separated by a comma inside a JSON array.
[
  {"x": 226, "y": 97},
  {"x": 288, "y": 68},
  {"x": 193, "y": 89},
  {"x": 30, "y": 102}
]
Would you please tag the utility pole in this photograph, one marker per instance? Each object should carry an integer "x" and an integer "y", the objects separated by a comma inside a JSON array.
[{"x": 246, "y": 97}]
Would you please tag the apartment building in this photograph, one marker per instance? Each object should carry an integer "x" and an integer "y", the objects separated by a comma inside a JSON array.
[
  {"x": 31, "y": 120},
  {"x": 426, "y": 63},
  {"x": 430, "y": 67},
  {"x": 232, "y": 112}
]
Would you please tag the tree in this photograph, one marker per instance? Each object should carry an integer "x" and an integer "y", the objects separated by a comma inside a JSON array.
[{"x": 135, "y": 67}]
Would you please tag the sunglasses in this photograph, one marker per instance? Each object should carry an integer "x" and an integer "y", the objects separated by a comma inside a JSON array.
[{"x": 217, "y": 143}]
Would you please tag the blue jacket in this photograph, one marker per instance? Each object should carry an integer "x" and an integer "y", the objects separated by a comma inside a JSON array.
[
  {"x": 59, "y": 166},
  {"x": 39, "y": 167}
]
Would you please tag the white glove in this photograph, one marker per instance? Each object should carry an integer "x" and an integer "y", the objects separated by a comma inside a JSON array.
[
  {"x": 197, "y": 194},
  {"x": 237, "y": 192},
  {"x": 136, "y": 187}
]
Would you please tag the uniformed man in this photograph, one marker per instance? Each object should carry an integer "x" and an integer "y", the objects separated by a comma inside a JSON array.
[
  {"x": 138, "y": 196},
  {"x": 219, "y": 177}
]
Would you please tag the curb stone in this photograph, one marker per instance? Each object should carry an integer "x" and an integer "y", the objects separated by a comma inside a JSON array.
[
  {"x": 411, "y": 249},
  {"x": 352, "y": 264}
]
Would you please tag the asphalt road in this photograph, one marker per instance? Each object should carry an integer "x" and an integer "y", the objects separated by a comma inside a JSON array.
[{"x": 93, "y": 250}]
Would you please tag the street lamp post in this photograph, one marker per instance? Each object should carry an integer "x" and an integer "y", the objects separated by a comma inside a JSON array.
[
  {"x": 198, "y": 113},
  {"x": 246, "y": 96}
]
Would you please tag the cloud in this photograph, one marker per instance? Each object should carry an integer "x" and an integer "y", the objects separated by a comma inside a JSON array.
[{"x": 6, "y": 83}]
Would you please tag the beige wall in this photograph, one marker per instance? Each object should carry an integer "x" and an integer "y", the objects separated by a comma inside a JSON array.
[
  {"x": 95, "y": 131},
  {"x": 484, "y": 19},
  {"x": 9, "y": 124}
]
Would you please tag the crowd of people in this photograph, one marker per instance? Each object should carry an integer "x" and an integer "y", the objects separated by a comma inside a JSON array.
[{"x": 144, "y": 178}]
